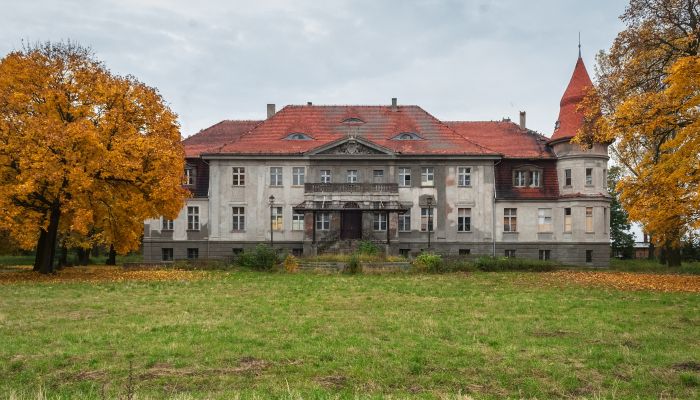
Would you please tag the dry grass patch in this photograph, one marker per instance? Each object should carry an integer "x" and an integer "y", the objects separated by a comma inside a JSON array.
[
  {"x": 629, "y": 281},
  {"x": 88, "y": 274}
]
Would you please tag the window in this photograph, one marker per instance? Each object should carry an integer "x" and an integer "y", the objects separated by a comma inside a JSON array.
[
  {"x": 405, "y": 221},
  {"x": 379, "y": 221},
  {"x": 352, "y": 176},
  {"x": 510, "y": 220},
  {"x": 167, "y": 254},
  {"x": 545, "y": 255},
  {"x": 167, "y": 224},
  {"x": 427, "y": 176},
  {"x": 298, "y": 251},
  {"x": 297, "y": 222},
  {"x": 353, "y": 120},
  {"x": 192, "y": 253},
  {"x": 535, "y": 178},
  {"x": 589, "y": 256},
  {"x": 323, "y": 221},
  {"x": 544, "y": 220},
  {"x": 589, "y": 176},
  {"x": 238, "y": 219},
  {"x": 404, "y": 177},
  {"x": 464, "y": 219},
  {"x": 567, "y": 220},
  {"x": 325, "y": 176},
  {"x": 298, "y": 136},
  {"x": 298, "y": 176},
  {"x": 589, "y": 219},
  {"x": 464, "y": 252},
  {"x": 520, "y": 178},
  {"x": 193, "y": 218},
  {"x": 464, "y": 176},
  {"x": 189, "y": 176},
  {"x": 527, "y": 177},
  {"x": 510, "y": 253},
  {"x": 238, "y": 176},
  {"x": 405, "y": 252},
  {"x": 426, "y": 219},
  {"x": 407, "y": 136},
  {"x": 567, "y": 177},
  {"x": 277, "y": 218},
  {"x": 237, "y": 251},
  {"x": 275, "y": 176},
  {"x": 378, "y": 176}
]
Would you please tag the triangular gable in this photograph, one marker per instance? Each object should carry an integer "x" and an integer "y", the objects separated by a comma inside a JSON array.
[{"x": 351, "y": 146}]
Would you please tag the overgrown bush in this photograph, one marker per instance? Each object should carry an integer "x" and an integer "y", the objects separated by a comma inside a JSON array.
[
  {"x": 261, "y": 258},
  {"x": 428, "y": 262},
  {"x": 513, "y": 264},
  {"x": 354, "y": 265},
  {"x": 368, "y": 248},
  {"x": 457, "y": 264},
  {"x": 291, "y": 264}
]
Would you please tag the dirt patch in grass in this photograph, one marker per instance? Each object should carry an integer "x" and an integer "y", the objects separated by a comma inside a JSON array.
[
  {"x": 555, "y": 333},
  {"x": 97, "y": 274},
  {"x": 688, "y": 366},
  {"x": 332, "y": 381},
  {"x": 245, "y": 365},
  {"x": 628, "y": 281}
]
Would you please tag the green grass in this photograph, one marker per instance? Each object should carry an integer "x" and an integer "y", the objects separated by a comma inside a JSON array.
[
  {"x": 652, "y": 266},
  {"x": 316, "y": 336}
]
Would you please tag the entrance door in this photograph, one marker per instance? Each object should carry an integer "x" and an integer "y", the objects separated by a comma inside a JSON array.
[{"x": 351, "y": 225}]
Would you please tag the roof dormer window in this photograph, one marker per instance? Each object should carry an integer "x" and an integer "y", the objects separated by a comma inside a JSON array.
[
  {"x": 298, "y": 136},
  {"x": 407, "y": 136},
  {"x": 353, "y": 120}
]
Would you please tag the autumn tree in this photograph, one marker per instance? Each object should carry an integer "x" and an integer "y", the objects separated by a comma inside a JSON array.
[
  {"x": 620, "y": 235},
  {"x": 82, "y": 151},
  {"x": 646, "y": 101}
]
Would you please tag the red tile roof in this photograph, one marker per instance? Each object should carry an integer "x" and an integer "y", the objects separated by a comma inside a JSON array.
[
  {"x": 570, "y": 119},
  {"x": 504, "y": 137},
  {"x": 215, "y": 136},
  {"x": 381, "y": 124}
]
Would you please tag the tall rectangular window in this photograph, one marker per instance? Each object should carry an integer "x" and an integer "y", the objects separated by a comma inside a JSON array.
[
  {"x": 544, "y": 220},
  {"x": 275, "y": 176},
  {"x": 167, "y": 224},
  {"x": 520, "y": 178},
  {"x": 378, "y": 176},
  {"x": 545, "y": 255},
  {"x": 189, "y": 176},
  {"x": 464, "y": 176},
  {"x": 238, "y": 219},
  {"x": 427, "y": 176},
  {"x": 589, "y": 256},
  {"x": 193, "y": 218},
  {"x": 325, "y": 176},
  {"x": 352, "y": 176},
  {"x": 323, "y": 221},
  {"x": 167, "y": 254},
  {"x": 297, "y": 222},
  {"x": 298, "y": 176},
  {"x": 379, "y": 221},
  {"x": 464, "y": 219},
  {"x": 192, "y": 253},
  {"x": 589, "y": 219},
  {"x": 589, "y": 176},
  {"x": 405, "y": 221},
  {"x": 567, "y": 177},
  {"x": 510, "y": 220},
  {"x": 426, "y": 219},
  {"x": 535, "y": 180},
  {"x": 277, "y": 223},
  {"x": 238, "y": 176},
  {"x": 404, "y": 177},
  {"x": 567, "y": 220}
]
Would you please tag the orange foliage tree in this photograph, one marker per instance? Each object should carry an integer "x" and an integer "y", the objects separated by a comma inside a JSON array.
[
  {"x": 82, "y": 150},
  {"x": 646, "y": 101}
]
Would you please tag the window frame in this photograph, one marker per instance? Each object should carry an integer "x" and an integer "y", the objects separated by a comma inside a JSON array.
[
  {"x": 379, "y": 222},
  {"x": 189, "y": 175},
  {"x": 238, "y": 219},
  {"x": 425, "y": 173},
  {"x": 464, "y": 222},
  {"x": 277, "y": 218},
  {"x": 567, "y": 177},
  {"x": 589, "y": 176},
  {"x": 193, "y": 218},
  {"x": 589, "y": 220},
  {"x": 509, "y": 253},
  {"x": 568, "y": 220},
  {"x": 170, "y": 255},
  {"x": 510, "y": 219},
  {"x": 238, "y": 176},
  {"x": 278, "y": 174},
  {"x": 402, "y": 221},
  {"x": 298, "y": 178},
  {"x": 404, "y": 177},
  {"x": 296, "y": 220},
  {"x": 193, "y": 250},
  {"x": 545, "y": 254},
  {"x": 167, "y": 224},
  {"x": 427, "y": 219},
  {"x": 352, "y": 176},
  {"x": 323, "y": 221},
  {"x": 326, "y": 176},
  {"x": 378, "y": 178},
  {"x": 542, "y": 219},
  {"x": 464, "y": 176}
]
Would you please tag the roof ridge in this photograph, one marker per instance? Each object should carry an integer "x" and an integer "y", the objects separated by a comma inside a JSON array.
[{"x": 458, "y": 134}]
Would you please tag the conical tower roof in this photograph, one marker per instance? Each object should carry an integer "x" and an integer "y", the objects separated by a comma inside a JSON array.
[{"x": 570, "y": 119}]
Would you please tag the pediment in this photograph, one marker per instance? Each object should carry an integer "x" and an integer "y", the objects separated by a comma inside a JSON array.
[{"x": 351, "y": 147}]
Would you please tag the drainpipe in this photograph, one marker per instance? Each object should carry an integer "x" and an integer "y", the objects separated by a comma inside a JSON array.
[{"x": 493, "y": 210}]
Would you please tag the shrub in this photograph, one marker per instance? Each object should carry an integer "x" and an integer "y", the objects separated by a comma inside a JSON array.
[
  {"x": 262, "y": 258},
  {"x": 428, "y": 262},
  {"x": 291, "y": 264},
  {"x": 513, "y": 264},
  {"x": 367, "y": 247},
  {"x": 354, "y": 266},
  {"x": 457, "y": 264}
]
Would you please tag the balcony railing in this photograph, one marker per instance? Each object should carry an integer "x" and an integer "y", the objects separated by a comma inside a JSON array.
[{"x": 351, "y": 188}]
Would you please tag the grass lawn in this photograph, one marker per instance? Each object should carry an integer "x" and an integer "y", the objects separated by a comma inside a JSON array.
[{"x": 305, "y": 335}]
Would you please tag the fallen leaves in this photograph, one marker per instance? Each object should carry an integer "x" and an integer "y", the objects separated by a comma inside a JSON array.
[
  {"x": 630, "y": 281},
  {"x": 97, "y": 274}
]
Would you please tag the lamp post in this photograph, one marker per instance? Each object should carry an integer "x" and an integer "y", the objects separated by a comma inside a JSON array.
[
  {"x": 429, "y": 202},
  {"x": 272, "y": 203}
]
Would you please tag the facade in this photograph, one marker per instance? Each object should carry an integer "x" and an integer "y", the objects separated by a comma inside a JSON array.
[{"x": 315, "y": 179}]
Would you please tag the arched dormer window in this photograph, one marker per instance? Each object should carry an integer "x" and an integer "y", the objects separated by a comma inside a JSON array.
[
  {"x": 527, "y": 176},
  {"x": 353, "y": 120},
  {"x": 407, "y": 136},
  {"x": 298, "y": 136}
]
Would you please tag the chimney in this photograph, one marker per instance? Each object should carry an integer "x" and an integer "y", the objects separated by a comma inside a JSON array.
[
  {"x": 522, "y": 120},
  {"x": 394, "y": 104},
  {"x": 270, "y": 110},
  {"x": 308, "y": 103}
]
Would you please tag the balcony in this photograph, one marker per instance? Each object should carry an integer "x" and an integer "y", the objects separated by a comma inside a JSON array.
[{"x": 351, "y": 188}]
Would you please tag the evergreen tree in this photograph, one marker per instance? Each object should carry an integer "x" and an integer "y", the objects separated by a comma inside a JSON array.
[{"x": 620, "y": 235}]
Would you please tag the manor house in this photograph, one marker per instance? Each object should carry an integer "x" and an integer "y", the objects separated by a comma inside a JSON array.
[{"x": 314, "y": 178}]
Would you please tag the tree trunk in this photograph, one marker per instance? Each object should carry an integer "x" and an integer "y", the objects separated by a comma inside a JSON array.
[
  {"x": 47, "y": 251},
  {"x": 673, "y": 257},
  {"x": 112, "y": 256},
  {"x": 83, "y": 256},
  {"x": 39, "y": 247},
  {"x": 650, "y": 256},
  {"x": 63, "y": 257},
  {"x": 662, "y": 254}
]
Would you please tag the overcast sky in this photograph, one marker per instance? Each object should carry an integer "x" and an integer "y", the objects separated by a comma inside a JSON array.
[{"x": 215, "y": 60}]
